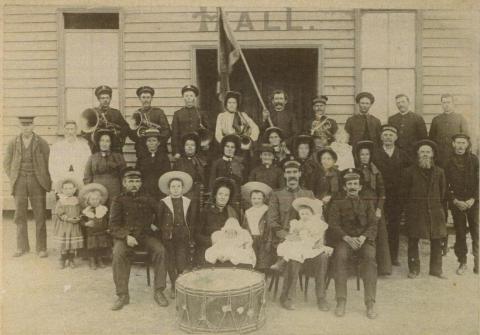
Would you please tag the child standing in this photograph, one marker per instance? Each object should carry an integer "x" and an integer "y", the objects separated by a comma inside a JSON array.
[
  {"x": 67, "y": 221},
  {"x": 306, "y": 236},
  {"x": 95, "y": 219}
]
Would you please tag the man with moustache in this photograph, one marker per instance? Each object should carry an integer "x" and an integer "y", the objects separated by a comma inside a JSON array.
[
  {"x": 391, "y": 161},
  {"x": 363, "y": 126},
  {"x": 134, "y": 217},
  {"x": 353, "y": 229},
  {"x": 112, "y": 116},
  {"x": 461, "y": 172},
  {"x": 280, "y": 117},
  {"x": 279, "y": 214},
  {"x": 423, "y": 190},
  {"x": 154, "y": 116},
  {"x": 321, "y": 122},
  {"x": 188, "y": 119},
  {"x": 410, "y": 126}
]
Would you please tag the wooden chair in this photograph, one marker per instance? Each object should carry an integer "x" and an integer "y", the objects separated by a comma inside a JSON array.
[{"x": 141, "y": 257}]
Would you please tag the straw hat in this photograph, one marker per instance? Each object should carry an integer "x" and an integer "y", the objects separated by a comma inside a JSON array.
[
  {"x": 165, "y": 179},
  {"x": 75, "y": 181},
  {"x": 251, "y": 186},
  {"x": 314, "y": 204},
  {"x": 85, "y": 190}
]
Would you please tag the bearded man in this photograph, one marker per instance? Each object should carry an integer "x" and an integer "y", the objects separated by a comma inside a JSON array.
[{"x": 423, "y": 193}]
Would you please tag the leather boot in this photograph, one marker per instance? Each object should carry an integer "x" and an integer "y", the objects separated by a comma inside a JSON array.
[
  {"x": 371, "y": 313},
  {"x": 121, "y": 301},
  {"x": 323, "y": 305},
  {"x": 340, "y": 309},
  {"x": 160, "y": 298}
]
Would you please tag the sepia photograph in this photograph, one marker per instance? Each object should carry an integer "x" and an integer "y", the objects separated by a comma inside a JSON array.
[{"x": 291, "y": 167}]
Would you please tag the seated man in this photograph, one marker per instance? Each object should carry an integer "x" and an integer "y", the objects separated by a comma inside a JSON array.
[
  {"x": 353, "y": 229},
  {"x": 132, "y": 226}
]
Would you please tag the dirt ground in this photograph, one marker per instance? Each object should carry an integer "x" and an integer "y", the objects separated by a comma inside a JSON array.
[{"x": 38, "y": 298}]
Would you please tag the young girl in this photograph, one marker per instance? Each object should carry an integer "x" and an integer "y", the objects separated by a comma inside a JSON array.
[
  {"x": 95, "y": 219},
  {"x": 306, "y": 236},
  {"x": 67, "y": 221},
  {"x": 231, "y": 244},
  {"x": 255, "y": 221}
]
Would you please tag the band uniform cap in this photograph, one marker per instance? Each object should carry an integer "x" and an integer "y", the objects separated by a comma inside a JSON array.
[
  {"x": 26, "y": 119},
  {"x": 314, "y": 204},
  {"x": 270, "y": 130},
  {"x": 265, "y": 147},
  {"x": 365, "y": 95},
  {"x": 231, "y": 138},
  {"x": 389, "y": 127},
  {"x": 233, "y": 94},
  {"x": 151, "y": 132},
  {"x": 131, "y": 172},
  {"x": 320, "y": 99},
  {"x": 460, "y": 135},
  {"x": 75, "y": 181},
  {"x": 351, "y": 174},
  {"x": 92, "y": 187},
  {"x": 330, "y": 151},
  {"x": 428, "y": 142},
  {"x": 366, "y": 144},
  {"x": 251, "y": 186},
  {"x": 290, "y": 162},
  {"x": 165, "y": 179},
  {"x": 103, "y": 89},
  {"x": 143, "y": 89},
  {"x": 192, "y": 88}
]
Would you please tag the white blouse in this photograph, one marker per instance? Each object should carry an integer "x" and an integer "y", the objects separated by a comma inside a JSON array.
[{"x": 225, "y": 126}]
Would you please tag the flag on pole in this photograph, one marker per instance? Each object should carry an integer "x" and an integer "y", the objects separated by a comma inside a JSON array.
[{"x": 228, "y": 53}]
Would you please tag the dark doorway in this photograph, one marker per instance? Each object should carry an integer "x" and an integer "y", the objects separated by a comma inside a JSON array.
[{"x": 293, "y": 70}]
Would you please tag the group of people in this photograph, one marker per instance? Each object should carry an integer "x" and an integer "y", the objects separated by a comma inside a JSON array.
[{"x": 279, "y": 198}]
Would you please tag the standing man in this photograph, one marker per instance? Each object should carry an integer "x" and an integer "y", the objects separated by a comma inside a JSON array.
[
  {"x": 444, "y": 126},
  {"x": 321, "y": 122},
  {"x": 279, "y": 214},
  {"x": 26, "y": 165},
  {"x": 188, "y": 119},
  {"x": 461, "y": 172},
  {"x": 280, "y": 117},
  {"x": 353, "y": 229},
  {"x": 411, "y": 126},
  {"x": 148, "y": 117},
  {"x": 424, "y": 190},
  {"x": 69, "y": 156},
  {"x": 391, "y": 161},
  {"x": 363, "y": 126},
  {"x": 108, "y": 118},
  {"x": 132, "y": 226}
]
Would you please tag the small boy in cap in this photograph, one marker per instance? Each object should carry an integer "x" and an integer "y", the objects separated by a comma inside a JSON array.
[
  {"x": 154, "y": 164},
  {"x": 267, "y": 172}
]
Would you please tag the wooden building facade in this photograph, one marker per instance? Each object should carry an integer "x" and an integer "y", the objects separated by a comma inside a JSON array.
[{"x": 55, "y": 57}]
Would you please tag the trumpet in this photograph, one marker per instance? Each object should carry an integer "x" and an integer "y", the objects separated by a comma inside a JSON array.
[{"x": 142, "y": 123}]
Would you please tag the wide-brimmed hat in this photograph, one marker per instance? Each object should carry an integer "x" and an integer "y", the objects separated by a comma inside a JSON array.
[
  {"x": 93, "y": 187},
  {"x": 231, "y": 138},
  {"x": 251, "y": 186},
  {"x": 223, "y": 181},
  {"x": 366, "y": 144},
  {"x": 100, "y": 132},
  {"x": 190, "y": 136},
  {"x": 75, "y": 181},
  {"x": 430, "y": 143},
  {"x": 164, "y": 181},
  {"x": 270, "y": 130},
  {"x": 314, "y": 204},
  {"x": 329, "y": 150}
]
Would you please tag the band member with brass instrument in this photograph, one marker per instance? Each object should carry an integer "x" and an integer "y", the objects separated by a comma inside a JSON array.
[
  {"x": 275, "y": 137},
  {"x": 153, "y": 165},
  {"x": 320, "y": 121},
  {"x": 280, "y": 117},
  {"x": 187, "y": 119},
  {"x": 145, "y": 118},
  {"x": 233, "y": 121},
  {"x": 105, "y": 117}
]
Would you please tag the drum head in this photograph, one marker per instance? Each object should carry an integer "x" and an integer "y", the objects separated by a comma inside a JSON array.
[{"x": 219, "y": 279}]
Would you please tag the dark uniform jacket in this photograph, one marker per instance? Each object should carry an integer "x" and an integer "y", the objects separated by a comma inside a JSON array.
[
  {"x": 166, "y": 218},
  {"x": 328, "y": 124},
  {"x": 284, "y": 120},
  {"x": 411, "y": 128},
  {"x": 157, "y": 116},
  {"x": 152, "y": 167},
  {"x": 424, "y": 195},
  {"x": 461, "y": 172},
  {"x": 115, "y": 117},
  {"x": 133, "y": 214},
  {"x": 443, "y": 127},
  {"x": 40, "y": 152},
  {"x": 280, "y": 210},
  {"x": 355, "y": 127},
  {"x": 186, "y": 120},
  {"x": 391, "y": 168},
  {"x": 272, "y": 176},
  {"x": 352, "y": 217}
]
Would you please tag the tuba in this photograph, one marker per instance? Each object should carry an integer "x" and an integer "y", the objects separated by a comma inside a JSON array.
[
  {"x": 141, "y": 123},
  {"x": 93, "y": 121}
]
